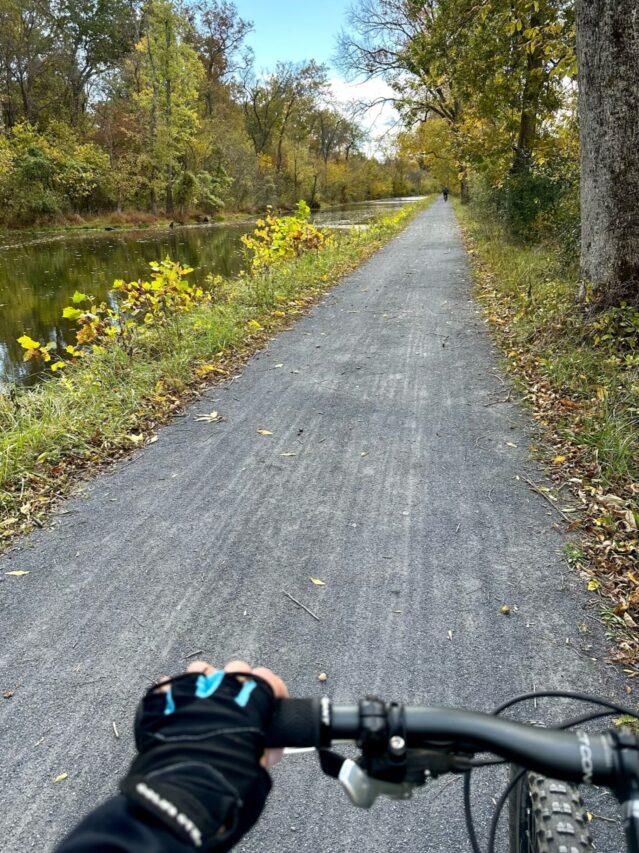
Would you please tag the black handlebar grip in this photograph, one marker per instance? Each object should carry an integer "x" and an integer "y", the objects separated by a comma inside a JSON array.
[{"x": 295, "y": 722}]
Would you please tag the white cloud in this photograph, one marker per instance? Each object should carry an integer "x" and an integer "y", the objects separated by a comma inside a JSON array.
[{"x": 382, "y": 118}]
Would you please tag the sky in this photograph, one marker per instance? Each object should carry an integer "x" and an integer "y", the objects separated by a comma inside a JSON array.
[
  {"x": 293, "y": 29},
  {"x": 297, "y": 30}
]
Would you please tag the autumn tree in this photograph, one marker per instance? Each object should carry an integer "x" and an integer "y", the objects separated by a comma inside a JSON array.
[
  {"x": 270, "y": 104},
  {"x": 168, "y": 71},
  {"x": 150, "y": 104},
  {"x": 91, "y": 37},
  {"x": 52, "y": 54},
  {"x": 608, "y": 62},
  {"x": 493, "y": 71},
  {"x": 217, "y": 34},
  {"x": 26, "y": 42},
  {"x": 431, "y": 147},
  {"x": 399, "y": 40}
]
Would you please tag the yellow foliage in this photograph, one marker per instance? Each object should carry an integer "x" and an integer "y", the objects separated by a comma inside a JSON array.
[
  {"x": 142, "y": 305},
  {"x": 278, "y": 239}
]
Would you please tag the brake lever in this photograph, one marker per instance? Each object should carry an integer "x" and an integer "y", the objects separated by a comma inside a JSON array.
[
  {"x": 363, "y": 790},
  {"x": 421, "y": 766}
]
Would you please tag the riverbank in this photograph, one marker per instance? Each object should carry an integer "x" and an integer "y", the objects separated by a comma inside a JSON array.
[
  {"x": 112, "y": 403},
  {"x": 135, "y": 220},
  {"x": 580, "y": 376},
  {"x": 123, "y": 222}
]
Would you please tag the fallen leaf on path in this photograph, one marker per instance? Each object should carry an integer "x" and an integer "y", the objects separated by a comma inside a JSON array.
[
  {"x": 317, "y": 582},
  {"x": 593, "y": 584},
  {"x": 288, "y": 454},
  {"x": 18, "y": 573},
  {"x": 254, "y": 325},
  {"x": 364, "y": 453},
  {"x": 504, "y": 610},
  {"x": 214, "y": 417},
  {"x": 61, "y": 777},
  {"x": 279, "y": 365},
  {"x": 558, "y": 460},
  {"x": 322, "y": 676},
  {"x": 264, "y": 432},
  {"x": 135, "y": 438},
  {"x": 7, "y": 694},
  {"x": 510, "y": 444},
  {"x": 450, "y": 635}
]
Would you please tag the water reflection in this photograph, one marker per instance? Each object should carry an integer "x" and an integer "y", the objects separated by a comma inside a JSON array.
[
  {"x": 38, "y": 276},
  {"x": 38, "y": 280}
]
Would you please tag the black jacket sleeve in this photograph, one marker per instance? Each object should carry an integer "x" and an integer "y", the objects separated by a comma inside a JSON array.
[{"x": 119, "y": 826}]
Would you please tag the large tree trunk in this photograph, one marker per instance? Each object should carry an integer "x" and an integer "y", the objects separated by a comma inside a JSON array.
[{"x": 608, "y": 62}]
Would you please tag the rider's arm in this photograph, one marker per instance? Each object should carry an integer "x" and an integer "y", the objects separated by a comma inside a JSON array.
[
  {"x": 119, "y": 825},
  {"x": 199, "y": 779}
]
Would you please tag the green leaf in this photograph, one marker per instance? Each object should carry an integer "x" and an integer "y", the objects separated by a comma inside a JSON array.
[{"x": 79, "y": 297}]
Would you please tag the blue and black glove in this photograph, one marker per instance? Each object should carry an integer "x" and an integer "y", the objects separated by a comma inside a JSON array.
[{"x": 199, "y": 748}]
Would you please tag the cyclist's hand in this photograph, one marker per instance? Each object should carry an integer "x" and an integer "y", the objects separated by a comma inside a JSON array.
[{"x": 201, "y": 763}]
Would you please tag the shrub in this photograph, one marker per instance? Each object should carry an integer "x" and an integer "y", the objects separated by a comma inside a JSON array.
[{"x": 280, "y": 238}]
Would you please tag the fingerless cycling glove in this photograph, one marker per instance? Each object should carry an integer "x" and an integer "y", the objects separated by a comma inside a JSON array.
[{"x": 198, "y": 765}]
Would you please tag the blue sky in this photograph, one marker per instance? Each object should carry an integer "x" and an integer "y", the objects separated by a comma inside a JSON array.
[
  {"x": 293, "y": 29},
  {"x": 297, "y": 30}
]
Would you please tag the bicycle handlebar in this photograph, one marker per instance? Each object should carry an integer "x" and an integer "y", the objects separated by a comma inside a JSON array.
[{"x": 575, "y": 757}]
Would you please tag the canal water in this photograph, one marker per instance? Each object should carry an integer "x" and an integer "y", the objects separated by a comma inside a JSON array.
[{"x": 40, "y": 273}]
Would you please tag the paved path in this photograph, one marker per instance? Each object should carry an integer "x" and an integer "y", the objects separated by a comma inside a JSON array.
[{"x": 402, "y": 496}]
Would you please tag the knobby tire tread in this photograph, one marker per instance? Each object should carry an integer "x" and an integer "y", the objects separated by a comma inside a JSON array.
[{"x": 557, "y": 822}]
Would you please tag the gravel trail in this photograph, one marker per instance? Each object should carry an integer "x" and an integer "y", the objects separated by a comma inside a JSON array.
[{"x": 391, "y": 475}]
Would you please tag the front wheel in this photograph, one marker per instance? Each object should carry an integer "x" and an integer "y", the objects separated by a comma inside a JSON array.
[{"x": 547, "y": 816}]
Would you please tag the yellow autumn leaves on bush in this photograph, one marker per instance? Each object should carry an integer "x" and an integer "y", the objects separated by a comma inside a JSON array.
[
  {"x": 152, "y": 303},
  {"x": 140, "y": 305},
  {"x": 280, "y": 238}
]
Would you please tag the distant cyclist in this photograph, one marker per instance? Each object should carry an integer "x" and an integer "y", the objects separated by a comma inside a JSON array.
[{"x": 445, "y": 192}]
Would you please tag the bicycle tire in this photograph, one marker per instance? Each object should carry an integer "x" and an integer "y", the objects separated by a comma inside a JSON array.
[{"x": 547, "y": 816}]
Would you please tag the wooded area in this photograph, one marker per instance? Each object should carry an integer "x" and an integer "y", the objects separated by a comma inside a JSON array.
[
  {"x": 490, "y": 90},
  {"x": 113, "y": 105}
]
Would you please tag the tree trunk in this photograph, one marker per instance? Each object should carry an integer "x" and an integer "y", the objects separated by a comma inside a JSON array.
[
  {"x": 313, "y": 199},
  {"x": 170, "y": 204},
  {"x": 531, "y": 93},
  {"x": 608, "y": 63},
  {"x": 153, "y": 126},
  {"x": 168, "y": 114},
  {"x": 464, "y": 191}
]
